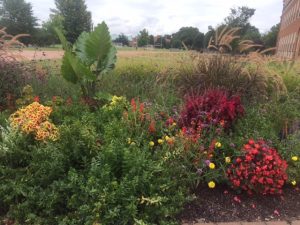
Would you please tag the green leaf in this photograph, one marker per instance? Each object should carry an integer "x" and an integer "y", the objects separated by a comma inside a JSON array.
[
  {"x": 62, "y": 38},
  {"x": 109, "y": 62},
  {"x": 103, "y": 96},
  {"x": 67, "y": 70},
  {"x": 98, "y": 44},
  {"x": 79, "y": 48},
  {"x": 74, "y": 70}
]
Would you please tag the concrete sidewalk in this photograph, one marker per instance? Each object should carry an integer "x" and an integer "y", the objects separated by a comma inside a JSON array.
[{"x": 297, "y": 222}]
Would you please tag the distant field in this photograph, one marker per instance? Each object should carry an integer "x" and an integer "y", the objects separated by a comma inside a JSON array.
[{"x": 124, "y": 55}]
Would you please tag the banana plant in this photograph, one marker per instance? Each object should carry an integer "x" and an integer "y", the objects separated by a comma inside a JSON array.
[{"x": 92, "y": 56}]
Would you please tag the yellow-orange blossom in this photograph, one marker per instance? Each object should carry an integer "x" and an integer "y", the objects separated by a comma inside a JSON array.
[{"x": 34, "y": 119}]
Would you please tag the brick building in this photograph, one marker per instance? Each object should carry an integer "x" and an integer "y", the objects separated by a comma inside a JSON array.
[{"x": 288, "y": 42}]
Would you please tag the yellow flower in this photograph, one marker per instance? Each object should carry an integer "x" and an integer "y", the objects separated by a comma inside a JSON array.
[
  {"x": 227, "y": 159},
  {"x": 174, "y": 124},
  {"x": 295, "y": 158},
  {"x": 160, "y": 141},
  {"x": 167, "y": 138},
  {"x": 211, "y": 184},
  {"x": 212, "y": 166},
  {"x": 151, "y": 143},
  {"x": 294, "y": 183},
  {"x": 129, "y": 141},
  {"x": 218, "y": 145}
]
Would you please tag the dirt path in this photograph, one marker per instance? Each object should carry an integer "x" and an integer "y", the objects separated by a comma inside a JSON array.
[
  {"x": 57, "y": 54},
  {"x": 38, "y": 55}
]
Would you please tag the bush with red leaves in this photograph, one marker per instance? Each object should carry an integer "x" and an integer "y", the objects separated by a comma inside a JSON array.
[
  {"x": 260, "y": 170},
  {"x": 215, "y": 107}
]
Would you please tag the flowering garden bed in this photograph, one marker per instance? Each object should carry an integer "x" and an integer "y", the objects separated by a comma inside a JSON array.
[{"x": 220, "y": 129}]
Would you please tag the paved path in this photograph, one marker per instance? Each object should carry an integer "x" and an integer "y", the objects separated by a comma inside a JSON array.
[{"x": 249, "y": 223}]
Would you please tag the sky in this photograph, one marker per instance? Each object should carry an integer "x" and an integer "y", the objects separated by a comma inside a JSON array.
[{"x": 168, "y": 16}]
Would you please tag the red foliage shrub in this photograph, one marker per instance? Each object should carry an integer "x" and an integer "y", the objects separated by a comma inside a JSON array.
[
  {"x": 260, "y": 170},
  {"x": 214, "y": 107}
]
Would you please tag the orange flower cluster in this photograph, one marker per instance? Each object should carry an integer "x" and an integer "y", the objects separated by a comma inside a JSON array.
[{"x": 34, "y": 119}]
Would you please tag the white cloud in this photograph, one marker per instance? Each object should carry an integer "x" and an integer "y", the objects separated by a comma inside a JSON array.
[{"x": 167, "y": 16}]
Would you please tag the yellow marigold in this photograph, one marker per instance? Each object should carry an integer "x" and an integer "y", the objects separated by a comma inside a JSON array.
[
  {"x": 211, "y": 184},
  {"x": 218, "y": 145},
  {"x": 227, "y": 159},
  {"x": 151, "y": 143},
  {"x": 212, "y": 166},
  {"x": 160, "y": 141},
  {"x": 295, "y": 158}
]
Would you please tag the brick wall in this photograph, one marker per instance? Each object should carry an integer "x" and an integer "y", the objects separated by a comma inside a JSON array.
[{"x": 288, "y": 43}]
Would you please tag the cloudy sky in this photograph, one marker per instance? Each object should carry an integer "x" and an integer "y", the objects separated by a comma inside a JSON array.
[{"x": 167, "y": 16}]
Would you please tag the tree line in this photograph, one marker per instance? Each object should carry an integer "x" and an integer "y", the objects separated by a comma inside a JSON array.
[{"x": 74, "y": 18}]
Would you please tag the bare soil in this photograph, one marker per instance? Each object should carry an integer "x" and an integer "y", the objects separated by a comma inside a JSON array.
[{"x": 224, "y": 205}]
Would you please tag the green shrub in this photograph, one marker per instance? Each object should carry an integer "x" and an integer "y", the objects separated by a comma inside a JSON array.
[
  {"x": 143, "y": 81},
  {"x": 91, "y": 175},
  {"x": 290, "y": 150},
  {"x": 13, "y": 75},
  {"x": 47, "y": 81}
]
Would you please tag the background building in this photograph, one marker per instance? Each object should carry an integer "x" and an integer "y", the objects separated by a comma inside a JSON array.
[{"x": 288, "y": 43}]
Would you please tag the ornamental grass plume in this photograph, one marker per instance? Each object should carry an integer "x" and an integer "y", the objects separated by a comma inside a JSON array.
[{"x": 34, "y": 119}]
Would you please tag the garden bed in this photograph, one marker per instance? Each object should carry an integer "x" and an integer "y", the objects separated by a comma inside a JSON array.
[{"x": 224, "y": 205}]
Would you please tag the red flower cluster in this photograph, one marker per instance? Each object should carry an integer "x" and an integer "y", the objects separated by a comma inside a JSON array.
[
  {"x": 260, "y": 170},
  {"x": 214, "y": 107}
]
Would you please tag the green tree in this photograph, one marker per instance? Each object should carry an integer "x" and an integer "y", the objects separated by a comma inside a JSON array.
[
  {"x": 143, "y": 38},
  {"x": 46, "y": 35},
  {"x": 151, "y": 40},
  {"x": 191, "y": 37},
  {"x": 17, "y": 17},
  {"x": 239, "y": 17},
  {"x": 122, "y": 38},
  {"x": 76, "y": 18},
  {"x": 252, "y": 33},
  {"x": 270, "y": 38}
]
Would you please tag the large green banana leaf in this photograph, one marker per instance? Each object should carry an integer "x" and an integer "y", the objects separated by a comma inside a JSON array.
[
  {"x": 73, "y": 69},
  {"x": 96, "y": 48}
]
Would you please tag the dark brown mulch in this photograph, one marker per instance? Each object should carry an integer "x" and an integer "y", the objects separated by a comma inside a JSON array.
[{"x": 224, "y": 205}]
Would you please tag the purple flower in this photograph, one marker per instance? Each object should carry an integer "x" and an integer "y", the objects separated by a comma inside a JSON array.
[{"x": 207, "y": 162}]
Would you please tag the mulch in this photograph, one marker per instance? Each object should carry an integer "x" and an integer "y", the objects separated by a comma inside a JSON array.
[{"x": 225, "y": 205}]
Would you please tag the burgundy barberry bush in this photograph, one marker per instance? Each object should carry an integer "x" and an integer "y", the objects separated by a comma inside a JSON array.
[
  {"x": 260, "y": 170},
  {"x": 215, "y": 107}
]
